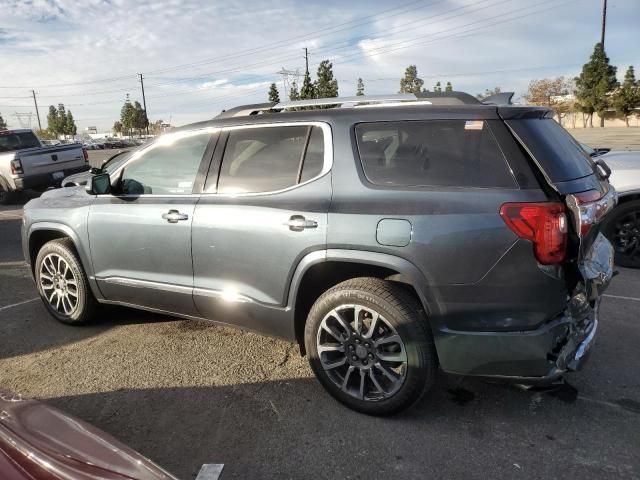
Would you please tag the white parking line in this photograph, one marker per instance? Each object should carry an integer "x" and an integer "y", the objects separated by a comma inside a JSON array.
[
  {"x": 7, "y": 307},
  {"x": 210, "y": 471},
  {"x": 621, "y": 297}
]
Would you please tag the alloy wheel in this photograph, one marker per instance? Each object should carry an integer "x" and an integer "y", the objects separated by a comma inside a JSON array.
[
  {"x": 361, "y": 352},
  {"x": 626, "y": 235},
  {"x": 59, "y": 284}
]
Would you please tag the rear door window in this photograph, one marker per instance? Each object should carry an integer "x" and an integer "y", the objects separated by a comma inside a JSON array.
[
  {"x": 445, "y": 153},
  {"x": 558, "y": 153},
  {"x": 267, "y": 159}
]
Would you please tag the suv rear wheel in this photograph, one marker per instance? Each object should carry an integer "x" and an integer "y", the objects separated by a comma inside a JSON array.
[
  {"x": 370, "y": 346},
  {"x": 62, "y": 283}
]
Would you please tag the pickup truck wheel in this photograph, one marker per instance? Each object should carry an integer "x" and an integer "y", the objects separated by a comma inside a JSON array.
[
  {"x": 623, "y": 231},
  {"x": 62, "y": 283},
  {"x": 370, "y": 346},
  {"x": 5, "y": 196}
]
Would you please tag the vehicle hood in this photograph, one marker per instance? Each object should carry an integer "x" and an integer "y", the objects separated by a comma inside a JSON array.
[
  {"x": 38, "y": 441},
  {"x": 625, "y": 170}
]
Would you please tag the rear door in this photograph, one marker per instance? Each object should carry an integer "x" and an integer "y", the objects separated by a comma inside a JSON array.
[
  {"x": 262, "y": 211},
  {"x": 140, "y": 237}
]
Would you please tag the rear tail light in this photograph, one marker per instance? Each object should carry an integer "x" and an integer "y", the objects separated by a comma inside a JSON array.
[
  {"x": 544, "y": 224},
  {"x": 86, "y": 154},
  {"x": 16, "y": 167},
  {"x": 590, "y": 207}
]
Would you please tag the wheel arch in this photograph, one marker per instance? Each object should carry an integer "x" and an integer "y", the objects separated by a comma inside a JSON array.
[
  {"x": 42, "y": 232},
  {"x": 319, "y": 271}
]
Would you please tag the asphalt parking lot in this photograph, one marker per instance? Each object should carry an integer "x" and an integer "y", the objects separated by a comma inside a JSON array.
[{"x": 186, "y": 393}]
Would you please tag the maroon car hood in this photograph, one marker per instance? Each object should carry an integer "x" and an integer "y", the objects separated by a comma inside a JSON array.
[{"x": 40, "y": 442}]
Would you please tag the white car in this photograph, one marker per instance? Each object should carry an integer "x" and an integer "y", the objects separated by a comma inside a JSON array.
[{"x": 622, "y": 226}]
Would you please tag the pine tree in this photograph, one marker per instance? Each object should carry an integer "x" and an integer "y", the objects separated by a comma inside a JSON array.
[
  {"x": 139, "y": 121},
  {"x": 449, "y": 87},
  {"x": 596, "y": 81},
  {"x": 627, "y": 97},
  {"x": 274, "y": 95},
  {"x": 70, "y": 127},
  {"x": 326, "y": 86},
  {"x": 3, "y": 124},
  {"x": 308, "y": 90},
  {"x": 117, "y": 127},
  {"x": 360, "y": 88},
  {"x": 127, "y": 116},
  {"x": 437, "y": 88},
  {"x": 293, "y": 91},
  {"x": 411, "y": 83},
  {"x": 62, "y": 120},
  {"x": 52, "y": 120}
]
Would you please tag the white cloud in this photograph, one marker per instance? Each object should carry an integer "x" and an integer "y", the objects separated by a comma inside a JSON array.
[{"x": 199, "y": 57}]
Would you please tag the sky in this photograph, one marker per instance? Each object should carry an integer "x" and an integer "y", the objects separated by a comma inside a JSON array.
[{"x": 198, "y": 57}]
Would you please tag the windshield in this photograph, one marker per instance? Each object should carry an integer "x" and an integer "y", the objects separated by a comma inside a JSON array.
[{"x": 11, "y": 141}]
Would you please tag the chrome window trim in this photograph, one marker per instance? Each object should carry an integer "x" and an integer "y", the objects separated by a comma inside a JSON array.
[{"x": 326, "y": 167}]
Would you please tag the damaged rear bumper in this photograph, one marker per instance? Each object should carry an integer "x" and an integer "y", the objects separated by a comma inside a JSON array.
[{"x": 538, "y": 356}]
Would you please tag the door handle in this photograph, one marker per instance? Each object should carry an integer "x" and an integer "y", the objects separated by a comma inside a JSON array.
[
  {"x": 298, "y": 223},
  {"x": 174, "y": 216}
]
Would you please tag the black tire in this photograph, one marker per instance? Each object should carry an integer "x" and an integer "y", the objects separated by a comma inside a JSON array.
[
  {"x": 623, "y": 231},
  {"x": 404, "y": 314},
  {"x": 86, "y": 307},
  {"x": 5, "y": 196}
]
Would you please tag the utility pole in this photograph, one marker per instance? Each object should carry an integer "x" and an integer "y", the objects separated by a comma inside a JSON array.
[
  {"x": 306, "y": 60},
  {"x": 144, "y": 102},
  {"x": 604, "y": 21},
  {"x": 36, "y": 104}
]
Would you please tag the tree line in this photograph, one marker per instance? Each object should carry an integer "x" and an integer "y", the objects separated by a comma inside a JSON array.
[
  {"x": 59, "y": 122},
  {"x": 132, "y": 118},
  {"x": 595, "y": 90},
  {"x": 326, "y": 86}
]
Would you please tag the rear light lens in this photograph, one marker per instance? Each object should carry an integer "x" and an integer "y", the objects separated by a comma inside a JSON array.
[
  {"x": 544, "y": 224},
  {"x": 16, "y": 167},
  {"x": 86, "y": 154},
  {"x": 590, "y": 207}
]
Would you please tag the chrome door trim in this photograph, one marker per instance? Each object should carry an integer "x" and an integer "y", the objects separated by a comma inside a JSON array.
[{"x": 135, "y": 283}]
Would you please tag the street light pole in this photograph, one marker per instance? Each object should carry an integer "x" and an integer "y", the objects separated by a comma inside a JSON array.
[{"x": 144, "y": 102}]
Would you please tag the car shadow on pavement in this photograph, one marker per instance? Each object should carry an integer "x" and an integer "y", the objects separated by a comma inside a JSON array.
[
  {"x": 29, "y": 328},
  {"x": 293, "y": 429}
]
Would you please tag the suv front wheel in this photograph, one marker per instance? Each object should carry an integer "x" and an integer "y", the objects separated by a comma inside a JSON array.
[
  {"x": 370, "y": 346},
  {"x": 62, "y": 283}
]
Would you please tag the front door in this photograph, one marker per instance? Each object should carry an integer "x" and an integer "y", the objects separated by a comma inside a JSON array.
[
  {"x": 270, "y": 210},
  {"x": 140, "y": 236}
]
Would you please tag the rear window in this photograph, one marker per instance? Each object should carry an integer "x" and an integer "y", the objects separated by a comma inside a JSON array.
[
  {"x": 448, "y": 153},
  {"x": 557, "y": 152},
  {"x": 17, "y": 141}
]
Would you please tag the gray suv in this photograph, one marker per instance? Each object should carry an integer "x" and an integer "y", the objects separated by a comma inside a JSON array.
[{"x": 387, "y": 236}]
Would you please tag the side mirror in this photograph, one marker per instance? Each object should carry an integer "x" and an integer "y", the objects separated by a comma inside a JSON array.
[{"x": 99, "y": 184}]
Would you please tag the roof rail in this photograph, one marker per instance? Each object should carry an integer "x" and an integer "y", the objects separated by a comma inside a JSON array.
[
  {"x": 503, "y": 98},
  {"x": 422, "y": 98},
  {"x": 244, "y": 110},
  {"x": 257, "y": 108}
]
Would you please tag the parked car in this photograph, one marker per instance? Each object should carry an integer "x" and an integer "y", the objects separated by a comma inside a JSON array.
[
  {"x": 432, "y": 231},
  {"x": 39, "y": 442},
  {"x": 622, "y": 227},
  {"x": 27, "y": 164}
]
